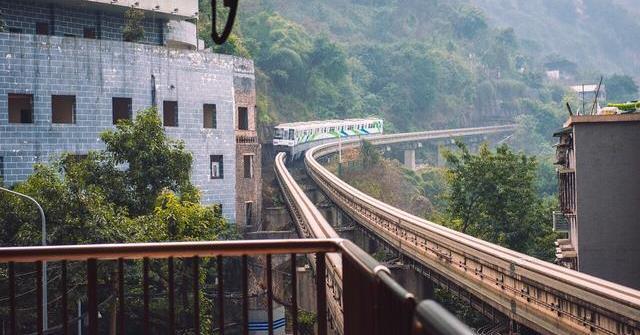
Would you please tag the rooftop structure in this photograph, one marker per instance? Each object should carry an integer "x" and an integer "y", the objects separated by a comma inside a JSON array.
[
  {"x": 587, "y": 96},
  {"x": 599, "y": 189}
]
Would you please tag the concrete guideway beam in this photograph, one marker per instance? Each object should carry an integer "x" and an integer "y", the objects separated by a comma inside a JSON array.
[{"x": 543, "y": 296}]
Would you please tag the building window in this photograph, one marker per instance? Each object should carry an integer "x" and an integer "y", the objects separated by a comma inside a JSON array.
[
  {"x": 63, "y": 109},
  {"x": 121, "y": 109},
  {"x": 20, "y": 108},
  {"x": 42, "y": 28},
  {"x": 15, "y": 30},
  {"x": 209, "y": 116},
  {"x": 1, "y": 170},
  {"x": 170, "y": 113},
  {"x": 89, "y": 32},
  {"x": 248, "y": 166},
  {"x": 217, "y": 171},
  {"x": 248, "y": 213},
  {"x": 243, "y": 118}
]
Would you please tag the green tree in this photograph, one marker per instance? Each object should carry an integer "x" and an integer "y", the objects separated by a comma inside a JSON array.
[
  {"x": 621, "y": 88},
  {"x": 133, "y": 31},
  {"x": 118, "y": 195},
  {"x": 493, "y": 196},
  {"x": 137, "y": 189},
  {"x": 369, "y": 155},
  {"x": 469, "y": 21},
  {"x": 154, "y": 163}
]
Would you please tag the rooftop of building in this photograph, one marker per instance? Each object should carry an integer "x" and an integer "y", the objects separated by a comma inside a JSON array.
[
  {"x": 578, "y": 119},
  {"x": 170, "y": 8}
]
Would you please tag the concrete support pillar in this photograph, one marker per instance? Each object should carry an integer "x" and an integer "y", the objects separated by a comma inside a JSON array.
[
  {"x": 306, "y": 289},
  {"x": 410, "y": 159},
  {"x": 441, "y": 161},
  {"x": 420, "y": 286}
]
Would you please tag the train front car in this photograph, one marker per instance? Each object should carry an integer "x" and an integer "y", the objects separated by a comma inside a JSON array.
[{"x": 295, "y": 138}]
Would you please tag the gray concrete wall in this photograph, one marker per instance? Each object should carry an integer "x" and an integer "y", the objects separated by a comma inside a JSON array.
[
  {"x": 95, "y": 71},
  {"x": 24, "y": 15},
  {"x": 608, "y": 200}
]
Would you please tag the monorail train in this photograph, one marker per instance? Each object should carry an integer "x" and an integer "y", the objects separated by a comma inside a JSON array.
[{"x": 293, "y": 134}]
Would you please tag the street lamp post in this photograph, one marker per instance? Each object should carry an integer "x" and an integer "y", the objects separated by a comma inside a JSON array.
[{"x": 43, "y": 220}]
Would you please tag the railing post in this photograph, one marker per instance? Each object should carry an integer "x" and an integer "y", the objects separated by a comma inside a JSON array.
[
  {"x": 171, "y": 288},
  {"x": 13, "y": 326},
  {"x": 92, "y": 295},
  {"x": 220, "y": 265},
  {"x": 121, "y": 302},
  {"x": 321, "y": 287},
  {"x": 196, "y": 295},
  {"x": 294, "y": 294},
  {"x": 245, "y": 296},
  {"x": 146, "y": 323},
  {"x": 269, "y": 295}
]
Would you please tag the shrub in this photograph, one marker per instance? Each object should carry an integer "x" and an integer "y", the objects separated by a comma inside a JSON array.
[{"x": 133, "y": 30}]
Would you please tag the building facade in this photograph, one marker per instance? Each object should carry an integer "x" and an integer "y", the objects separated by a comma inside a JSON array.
[
  {"x": 66, "y": 75},
  {"x": 598, "y": 159}
]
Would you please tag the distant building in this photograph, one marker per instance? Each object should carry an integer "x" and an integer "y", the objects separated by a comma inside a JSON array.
[
  {"x": 586, "y": 95},
  {"x": 66, "y": 75},
  {"x": 598, "y": 158},
  {"x": 553, "y": 74}
]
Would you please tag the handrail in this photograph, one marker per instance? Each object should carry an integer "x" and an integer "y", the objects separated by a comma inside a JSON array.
[
  {"x": 596, "y": 296},
  {"x": 165, "y": 250},
  {"x": 394, "y": 308}
]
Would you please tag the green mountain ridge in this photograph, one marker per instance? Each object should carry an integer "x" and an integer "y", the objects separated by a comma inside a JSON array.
[
  {"x": 419, "y": 64},
  {"x": 598, "y": 35}
]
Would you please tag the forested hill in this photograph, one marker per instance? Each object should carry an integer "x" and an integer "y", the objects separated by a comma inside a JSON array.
[
  {"x": 420, "y": 64},
  {"x": 595, "y": 34}
]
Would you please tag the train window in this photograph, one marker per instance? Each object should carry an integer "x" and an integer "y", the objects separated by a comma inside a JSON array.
[
  {"x": 291, "y": 134},
  {"x": 278, "y": 134}
]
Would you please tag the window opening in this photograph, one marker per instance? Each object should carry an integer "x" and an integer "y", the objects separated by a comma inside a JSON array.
[
  {"x": 209, "y": 116},
  {"x": 217, "y": 171},
  {"x": 248, "y": 213},
  {"x": 89, "y": 32},
  {"x": 170, "y": 113},
  {"x": 42, "y": 28},
  {"x": 63, "y": 109},
  {"x": 121, "y": 109},
  {"x": 248, "y": 166},
  {"x": 20, "y": 108},
  {"x": 243, "y": 118}
]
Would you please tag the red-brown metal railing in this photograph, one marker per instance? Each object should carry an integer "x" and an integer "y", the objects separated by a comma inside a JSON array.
[{"x": 373, "y": 303}]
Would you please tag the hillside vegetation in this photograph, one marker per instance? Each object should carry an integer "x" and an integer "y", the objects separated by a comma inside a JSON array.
[
  {"x": 419, "y": 64},
  {"x": 598, "y": 35}
]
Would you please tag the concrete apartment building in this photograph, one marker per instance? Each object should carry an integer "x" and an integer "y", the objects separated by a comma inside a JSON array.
[
  {"x": 66, "y": 75},
  {"x": 598, "y": 159}
]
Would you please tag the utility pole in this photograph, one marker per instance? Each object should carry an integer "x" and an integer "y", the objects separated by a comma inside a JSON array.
[{"x": 44, "y": 264}]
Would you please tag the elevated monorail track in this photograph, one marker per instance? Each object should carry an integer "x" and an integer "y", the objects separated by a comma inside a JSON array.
[
  {"x": 311, "y": 224},
  {"x": 542, "y": 296}
]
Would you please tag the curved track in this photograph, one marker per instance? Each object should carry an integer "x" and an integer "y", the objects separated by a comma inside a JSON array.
[
  {"x": 311, "y": 224},
  {"x": 543, "y": 296}
]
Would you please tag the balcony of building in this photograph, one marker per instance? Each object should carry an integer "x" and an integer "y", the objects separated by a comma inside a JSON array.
[{"x": 206, "y": 288}]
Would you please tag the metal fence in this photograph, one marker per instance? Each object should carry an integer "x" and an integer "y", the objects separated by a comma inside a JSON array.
[{"x": 373, "y": 302}]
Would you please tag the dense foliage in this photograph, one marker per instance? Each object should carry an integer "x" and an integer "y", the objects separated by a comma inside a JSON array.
[
  {"x": 133, "y": 31},
  {"x": 418, "y": 64},
  {"x": 493, "y": 196},
  {"x": 621, "y": 88},
  {"x": 136, "y": 190},
  {"x": 599, "y": 36}
]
